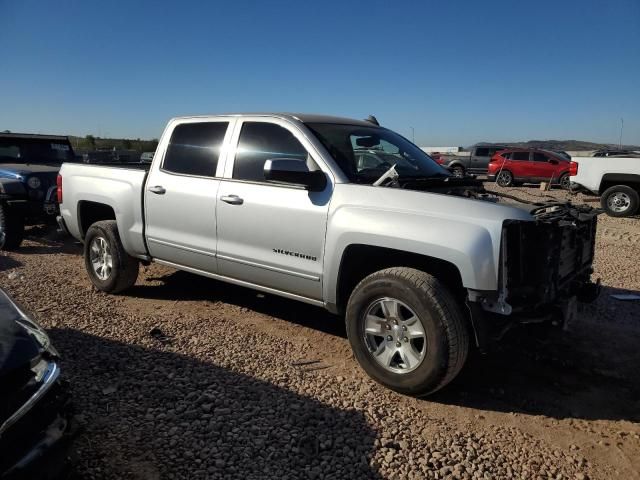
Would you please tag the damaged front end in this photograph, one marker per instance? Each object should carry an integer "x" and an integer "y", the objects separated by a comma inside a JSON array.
[{"x": 545, "y": 268}]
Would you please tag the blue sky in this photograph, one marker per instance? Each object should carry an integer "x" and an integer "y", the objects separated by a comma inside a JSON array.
[{"x": 457, "y": 72}]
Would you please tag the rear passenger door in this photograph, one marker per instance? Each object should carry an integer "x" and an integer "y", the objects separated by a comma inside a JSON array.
[
  {"x": 180, "y": 196},
  {"x": 479, "y": 160},
  {"x": 519, "y": 165},
  {"x": 271, "y": 235},
  {"x": 542, "y": 168}
]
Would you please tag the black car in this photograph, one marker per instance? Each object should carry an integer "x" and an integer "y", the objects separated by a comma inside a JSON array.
[
  {"x": 35, "y": 425},
  {"x": 29, "y": 166}
]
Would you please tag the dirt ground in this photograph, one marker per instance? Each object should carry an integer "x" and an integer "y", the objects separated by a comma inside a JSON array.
[{"x": 238, "y": 384}]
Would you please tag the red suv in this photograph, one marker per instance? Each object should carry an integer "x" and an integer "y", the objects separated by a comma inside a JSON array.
[{"x": 526, "y": 165}]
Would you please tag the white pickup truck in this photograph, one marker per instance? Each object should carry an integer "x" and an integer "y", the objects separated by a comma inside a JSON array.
[
  {"x": 342, "y": 214},
  {"x": 615, "y": 179}
]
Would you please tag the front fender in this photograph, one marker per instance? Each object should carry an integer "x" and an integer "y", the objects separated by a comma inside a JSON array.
[{"x": 472, "y": 248}]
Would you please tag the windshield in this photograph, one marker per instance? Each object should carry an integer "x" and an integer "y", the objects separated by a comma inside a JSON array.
[
  {"x": 34, "y": 150},
  {"x": 365, "y": 153}
]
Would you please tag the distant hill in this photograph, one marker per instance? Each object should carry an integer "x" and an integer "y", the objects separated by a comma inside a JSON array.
[{"x": 567, "y": 145}]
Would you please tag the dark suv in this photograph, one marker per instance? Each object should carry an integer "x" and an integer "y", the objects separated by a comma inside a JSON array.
[{"x": 29, "y": 166}]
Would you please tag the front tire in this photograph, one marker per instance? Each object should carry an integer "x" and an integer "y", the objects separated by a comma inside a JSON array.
[
  {"x": 407, "y": 331},
  {"x": 620, "y": 201},
  {"x": 11, "y": 228},
  {"x": 111, "y": 269},
  {"x": 505, "y": 178}
]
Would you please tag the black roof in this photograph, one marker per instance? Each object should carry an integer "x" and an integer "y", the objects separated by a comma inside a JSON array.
[{"x": 33, "y": 136}]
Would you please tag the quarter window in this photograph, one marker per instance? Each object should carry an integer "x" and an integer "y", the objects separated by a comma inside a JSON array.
[
  {"x": 540, "y": 157},
  {"x": 194, "y": 148},
  {"x": 259, "y": 142}
]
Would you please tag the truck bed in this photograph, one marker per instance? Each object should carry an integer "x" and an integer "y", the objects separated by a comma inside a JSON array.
[{"x": 117, "y": 186}]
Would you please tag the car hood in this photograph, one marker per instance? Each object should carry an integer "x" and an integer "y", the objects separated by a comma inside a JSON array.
[{"x": 17, "y": 345}]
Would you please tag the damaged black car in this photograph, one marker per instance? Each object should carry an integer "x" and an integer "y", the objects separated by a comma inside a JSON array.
[{"x": 35, "y": 414}]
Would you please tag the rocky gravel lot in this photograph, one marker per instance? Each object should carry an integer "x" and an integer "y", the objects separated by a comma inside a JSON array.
[{"x": 185, "y": 378}]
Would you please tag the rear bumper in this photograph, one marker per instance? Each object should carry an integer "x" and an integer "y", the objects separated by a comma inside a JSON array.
[{"x": 62, "y": 226}]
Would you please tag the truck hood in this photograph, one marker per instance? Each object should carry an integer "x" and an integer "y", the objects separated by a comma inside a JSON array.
[{"x": 432, "y": 204}]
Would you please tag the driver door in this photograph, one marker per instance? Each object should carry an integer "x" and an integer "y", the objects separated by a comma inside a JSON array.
[{"x": 271, "y": 235}]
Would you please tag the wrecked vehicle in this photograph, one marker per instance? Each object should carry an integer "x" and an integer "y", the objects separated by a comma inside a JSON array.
[
  {"x": 29, "y": 166},
  {"x": 342, "y": 214},
  {"x": 35, "y": 426}
]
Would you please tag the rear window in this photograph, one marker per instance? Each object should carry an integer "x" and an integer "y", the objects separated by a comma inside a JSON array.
[
  {"x": 35, "y": 150},
  {"x": 194, "y": 148},
  {"x": 520, "y": 156}
]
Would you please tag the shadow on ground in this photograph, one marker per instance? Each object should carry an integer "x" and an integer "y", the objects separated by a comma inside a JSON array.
[
  {"x": 183, "y": 286},
  {"x": 45, "y": 239},
  {"x": 151, "y": 413},
  {"x": 7, "y": 263},
  {"x": 588, "y": 372}
]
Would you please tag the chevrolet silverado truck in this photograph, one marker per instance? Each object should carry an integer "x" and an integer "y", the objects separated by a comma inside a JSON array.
[
  {"x": 29, "y": 165},
  {"x": 345, "y": 215},
  {"x": 615, "y": 179}
]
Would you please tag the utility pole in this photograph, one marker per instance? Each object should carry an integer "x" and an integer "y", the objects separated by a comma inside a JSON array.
[
  {"x": 621, "y": 127},
  {"x": 413, "y": 135}
]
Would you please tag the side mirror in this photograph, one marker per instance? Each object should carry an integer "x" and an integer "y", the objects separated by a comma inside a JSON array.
[{"x": 294, "y": 171}]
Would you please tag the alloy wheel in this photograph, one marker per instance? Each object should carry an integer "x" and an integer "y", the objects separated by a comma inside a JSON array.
[
  {"x": 619, "y": 202},
  {"x": 394, "y": 335},
  {"x": 101, "y": 258}
]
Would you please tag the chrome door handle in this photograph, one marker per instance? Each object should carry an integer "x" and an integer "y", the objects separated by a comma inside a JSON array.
[
  {"x": 158, "y": 189},
  {"x": 232, "y": 199}
]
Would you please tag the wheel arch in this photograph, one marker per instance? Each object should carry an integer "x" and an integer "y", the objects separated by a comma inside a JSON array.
[
  {"x": 612, "y": 179},
  {"x": 360, "y": 260}
]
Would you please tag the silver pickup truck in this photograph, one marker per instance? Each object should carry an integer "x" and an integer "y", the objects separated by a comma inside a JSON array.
[{"x": 342, "y": 214}]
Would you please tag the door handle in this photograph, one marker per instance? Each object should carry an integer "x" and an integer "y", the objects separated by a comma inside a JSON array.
[
  {"x": 232, "y": 199},
  {"x": 158, "y": 189}
]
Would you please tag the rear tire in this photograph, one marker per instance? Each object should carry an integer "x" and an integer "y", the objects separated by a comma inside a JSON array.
[
  {"x": 565, "y": 181},
  {"x": 620, "y": 201},
  {"x": 458, "y": 171},
  {"x": 111, "y": 269},
  {"x": 505, "y": 178},
  {"x": 11, "y": 228},
  {"x": 423, "y": 340}
]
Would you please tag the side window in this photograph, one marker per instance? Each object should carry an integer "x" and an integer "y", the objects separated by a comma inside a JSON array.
[
  {"x": 482, "y": 152},
  {"x": 260, "y": 142},
  {"x": 540, "y": 157},
  {"x": 506, "y": 156},
  {"x": 194, "y": 148},
  {"x": 520, "y": 156}
]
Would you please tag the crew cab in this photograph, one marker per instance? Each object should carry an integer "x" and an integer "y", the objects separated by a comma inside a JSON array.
[
  {"x": 476, "y": 162},
  {"x": 615, "y": 179},
  {"x": 343, "y": 214},
  {"x": 29, "y": 165},
  {"x": 528, "y": 165}
]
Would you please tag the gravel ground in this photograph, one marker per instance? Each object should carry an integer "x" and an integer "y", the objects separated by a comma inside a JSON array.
[{"x": 185, "y": 377}]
